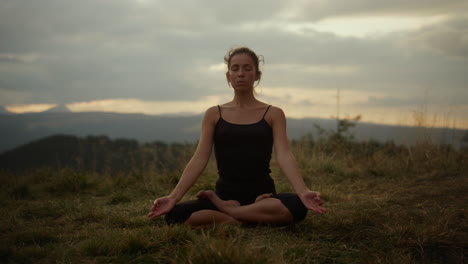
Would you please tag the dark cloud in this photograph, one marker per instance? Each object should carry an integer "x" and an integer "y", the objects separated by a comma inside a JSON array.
[
  {"x": 232, "y": 13},
  {"x": 66, "y": 51},
  {"x": 449, "y": 37},
  {"x": 10, "y": 59}
]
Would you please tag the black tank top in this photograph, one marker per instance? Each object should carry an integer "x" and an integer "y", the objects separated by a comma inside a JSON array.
[{"x": 243, "y": 154}]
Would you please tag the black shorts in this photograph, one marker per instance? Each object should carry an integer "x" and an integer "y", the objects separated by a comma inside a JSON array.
[{"x": 182, "y": 211}]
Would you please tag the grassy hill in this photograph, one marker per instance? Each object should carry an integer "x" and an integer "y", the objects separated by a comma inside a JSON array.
[
  {"x": 387, "y": 204},
  {"x": 20, "y": 129},
  {"x": 96, "y": 154}
]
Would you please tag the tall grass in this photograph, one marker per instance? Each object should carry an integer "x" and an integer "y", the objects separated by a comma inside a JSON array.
[{"x": 387, "y": 204}]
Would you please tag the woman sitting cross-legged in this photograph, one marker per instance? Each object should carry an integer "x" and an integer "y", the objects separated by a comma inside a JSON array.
[{"x": 243, "y": 132}]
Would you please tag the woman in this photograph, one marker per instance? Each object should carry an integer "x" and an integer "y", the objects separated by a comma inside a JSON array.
[{"x": 243, "y": 133}]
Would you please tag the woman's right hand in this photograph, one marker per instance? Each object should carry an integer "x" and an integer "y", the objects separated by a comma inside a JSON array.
[{"x": 162, "y": 206}]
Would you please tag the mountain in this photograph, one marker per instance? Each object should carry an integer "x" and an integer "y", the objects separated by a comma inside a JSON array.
[
  {"x": 19, "y": 129},
  {"x": 3, "y": 110},
  {"x": 16, "y": 130},
  {"x": 61, "y": 108},
  {"x": 93, "y": 153}
]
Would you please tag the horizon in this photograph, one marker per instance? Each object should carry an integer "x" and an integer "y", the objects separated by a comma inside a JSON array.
[{"x": 420, "y": 119}]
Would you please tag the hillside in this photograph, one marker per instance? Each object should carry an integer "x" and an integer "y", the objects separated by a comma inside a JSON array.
[
  {"x": 20, "y": 129},
  {"x": 386, "y": 204},
  {"x": 97, "y": 154}
]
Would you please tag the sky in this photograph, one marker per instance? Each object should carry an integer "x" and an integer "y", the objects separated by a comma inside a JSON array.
[{"x": 392, "y": 62}]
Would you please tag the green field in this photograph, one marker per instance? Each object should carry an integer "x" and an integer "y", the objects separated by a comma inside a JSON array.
[{"x": 387, "y": 204}]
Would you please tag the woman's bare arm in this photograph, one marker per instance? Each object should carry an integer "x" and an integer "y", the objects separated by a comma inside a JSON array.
[
  {"x": 283, "y": 154},
  {"x": 192, "y": 170},
  {"x": 199, "y": 160},
  {"x": 288, "y": 165}
]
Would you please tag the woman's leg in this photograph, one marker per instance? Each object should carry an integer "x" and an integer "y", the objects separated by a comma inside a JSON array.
[
  {"x": 198, "y": 213},
  {"x": 265, "y": 210},
  {"x": 209, "y": 217}
]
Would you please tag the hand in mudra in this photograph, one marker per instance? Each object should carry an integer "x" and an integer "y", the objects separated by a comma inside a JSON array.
[
  {"x": 312, "y": 201},
  {"x": 162, "y": 206}
]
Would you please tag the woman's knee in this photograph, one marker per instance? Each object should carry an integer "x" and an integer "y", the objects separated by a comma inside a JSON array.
[
  {"x": 293, "y": 204},
  {"x": 208, "y": 217},
  {"x": 178, "y": 215},
  {"x": 182, "y": 211},
  {"x": 281, "y": 210}
]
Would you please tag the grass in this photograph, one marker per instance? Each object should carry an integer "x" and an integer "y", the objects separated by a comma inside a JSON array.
[{"x": 387, "y": 204}]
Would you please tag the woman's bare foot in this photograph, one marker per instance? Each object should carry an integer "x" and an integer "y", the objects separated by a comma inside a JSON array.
[
  {"x": 263, "y": 196},
  {"x": 223, "y": 206}
]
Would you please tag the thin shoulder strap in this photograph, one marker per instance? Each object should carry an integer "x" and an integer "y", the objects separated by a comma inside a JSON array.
[
  {"x": 219, "y": 109},
  {"x": 266, "y": 111}
]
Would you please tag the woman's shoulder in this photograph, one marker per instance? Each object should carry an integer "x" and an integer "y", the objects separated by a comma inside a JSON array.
[
  {"x": 212, "y": 109},
  {"x": 275, "y": 112},
  {"x": 212, "y": 114},
  {"x": 274, "y": 115}
]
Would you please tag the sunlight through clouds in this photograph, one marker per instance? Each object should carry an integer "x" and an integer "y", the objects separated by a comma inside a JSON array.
[
  {"x": 219, "y": 67},
  {"x": 302, "y": 103},
  {"x": 374, "y": 107},
  {"x": 317, "y": 69},
  {"x": 368, "y": 25},
  {"x": 146, "y": 107},
  {"x": 29, "y": 108}
]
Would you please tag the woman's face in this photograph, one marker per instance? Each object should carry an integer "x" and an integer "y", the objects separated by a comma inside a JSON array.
[{"x": 242, "y": 73}]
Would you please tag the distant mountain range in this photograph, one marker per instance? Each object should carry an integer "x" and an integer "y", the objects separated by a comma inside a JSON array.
[
  {"x": 19, "y": 129},
  {"x": 61, "y": 108},
  {"x": 3, "y": 110}
]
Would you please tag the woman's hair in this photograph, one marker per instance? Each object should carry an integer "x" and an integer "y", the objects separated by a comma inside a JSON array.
[{"x": 244, "y": 50}]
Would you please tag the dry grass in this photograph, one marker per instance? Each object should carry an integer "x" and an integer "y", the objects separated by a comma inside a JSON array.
[{"x": 387, "y": 204}]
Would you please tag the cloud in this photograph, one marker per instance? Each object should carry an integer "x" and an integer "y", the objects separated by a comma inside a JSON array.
[
  {"x": 63, "y": 52},
  {"x": 316, "y": 10},
  {"x": 369, "y": 26},
  {"x": 131, "y": 105},
  {"x": 386, "y": 101},
  {"x": 449, "y": 37},
  {"x": 30, "y": 108},
  {"x": 18, "y": 58}
]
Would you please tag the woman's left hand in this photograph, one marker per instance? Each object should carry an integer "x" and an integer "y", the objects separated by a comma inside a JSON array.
[{"x": 312, "y": 201}]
